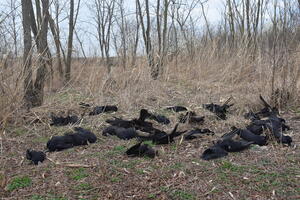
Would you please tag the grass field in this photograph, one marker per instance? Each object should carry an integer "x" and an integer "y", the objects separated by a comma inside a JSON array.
[{"x": 102, "y": 171}]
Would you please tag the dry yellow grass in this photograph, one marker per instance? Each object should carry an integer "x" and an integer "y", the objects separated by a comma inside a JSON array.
[{"x": 212, "y": 75}]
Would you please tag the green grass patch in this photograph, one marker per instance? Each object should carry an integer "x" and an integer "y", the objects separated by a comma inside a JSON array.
[
  {"x": 40, "y": 140},
  {"x": 50, "y": 197},
  {"x": 182, "y": 195},
  {"x": 36, "y": 197},
  {"x": 78, "y": 174},
  {"x": 116, "y": 150},
  {"x": 151, "y": 196},
  {"x": 226, "y": 165},
  {"x": 83, "y": 186},
  {"x": 122, "y": 164},
  {"x": 174, "y": 147},
  {"x": 115, "y": 179},
  {"x": 19, "y": 182},
  {"x": 177, "y": 165},
  {"x": 120, "y": 148},
  {"x": 140, "y": 171},
  {"x": 19, "y": 131}
]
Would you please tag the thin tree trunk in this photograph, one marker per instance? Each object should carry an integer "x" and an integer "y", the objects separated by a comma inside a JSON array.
[
  {"x": 27, "y": 40},
  {"x": 70, "y": 43},
  {"x": 55, "y": 34},
  {"x": 42, "y": 59}
]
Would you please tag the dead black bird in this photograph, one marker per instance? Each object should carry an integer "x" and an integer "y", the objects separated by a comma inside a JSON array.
[
  {"x": 177, "y": 108},
  {"x": 255, "y": 128},
  {"x": 35, "y": 156},
  {"x": 141, "y": 150},
  {"x": 59, "y": 143},
  {"x": 102, "y": 109},
  {"x": 251, "y": 137},
  {"x": 251, "y": 115},
  {"x": 246, "y": 135},
  {"x": 79, "y": 137},
  {"x": 230, "y": 145},
  {"x": 193, "y": 134},
  {"x": 164, "y": 138},
  {"x": 134, "y": 123},
  {"x": 120, "y": 132},
  {"x": 225, "y": 145},
  {"x": 219, "y": 110},
  {"x": 192, "y": 118},
  {"x": 86, "y": 134},
  {"x": 214, "y": 152},
  {"x": 276, "y": 125},
  {"x": 267, "y": 111},
  {"x": 63, "y": 121},
  {"x": 159, "y": 118}
]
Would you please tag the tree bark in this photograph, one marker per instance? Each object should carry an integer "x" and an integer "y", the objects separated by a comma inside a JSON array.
[
  {"x": 70, "y": 43},
  {"x": 27, "y": 40},
  {"x": 42, "y": 59},
  {"x": 34, "y": 92}
]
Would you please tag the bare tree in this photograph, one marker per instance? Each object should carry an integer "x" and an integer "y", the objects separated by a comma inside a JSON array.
[
  {"x": 122, "y": 24},
  {"x": 231, "y": 22},
  {"x": 146, "y": 29},
  {"x": 65, "y": 54},
  {"x": 70, "y": 43},
  {"x": 14, "y": 31},
  {"x": 162, "y": 29},
  {"x": 183, "y": 16},
  {"x": 34, "y": 89},
  {"x": 104, "y": 12},
  {"x": 54, "y": 27}
]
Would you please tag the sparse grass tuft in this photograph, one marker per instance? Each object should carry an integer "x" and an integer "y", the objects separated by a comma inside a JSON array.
[
  {"x": 19, "y": 182},
  {"x": 83, "y": 186},
  {"x": 78, "y": 174},
  {"x": 182, "y": 195}
]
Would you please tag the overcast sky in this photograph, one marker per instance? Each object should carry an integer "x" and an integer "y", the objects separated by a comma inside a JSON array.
[{"x": 213, "y": 8}]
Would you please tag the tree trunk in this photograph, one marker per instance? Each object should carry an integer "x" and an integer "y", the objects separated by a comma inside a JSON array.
[
  {"x": 147, "y": 39},
  {"x": 42, "y": 59},
  {"x": 70, "y": 43},
  {"x": 27, "y": 40}
]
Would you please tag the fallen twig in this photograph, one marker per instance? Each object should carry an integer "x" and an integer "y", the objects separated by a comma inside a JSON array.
[{"x": 70, "y": 164}]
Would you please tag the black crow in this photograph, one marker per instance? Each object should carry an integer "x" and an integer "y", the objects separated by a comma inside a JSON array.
[
  {"x": 88, "y": 135},
  {"x": 275, "y": 125},
  {"x": 35, "y": 156},
  {"x": 134, "y": 123},
  {"x": 120, "y": 132},
  {"x": 141, "y": 150},
  {"x": 163, "y": 138},
  {"x": 193, "y": 134},
  {"x": 214, "y": 152},
  {"x": 220, "y": 111},
  {"x": 255, "y": 128},
  {"x": 79, "y": 137},
  {"x": 102, "y": 109},
  {"x": 191, "y": 117},
  {"x": 177, "y": 108},
  {"x": 252, "y": 116},
  {"x": 159, "y": 118},
  {"x": 230, "y": 145},
  {"x": 59, "y": 143},
  {"x": 251, "y": 137},
  {"x": 63, "y": 121}
]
